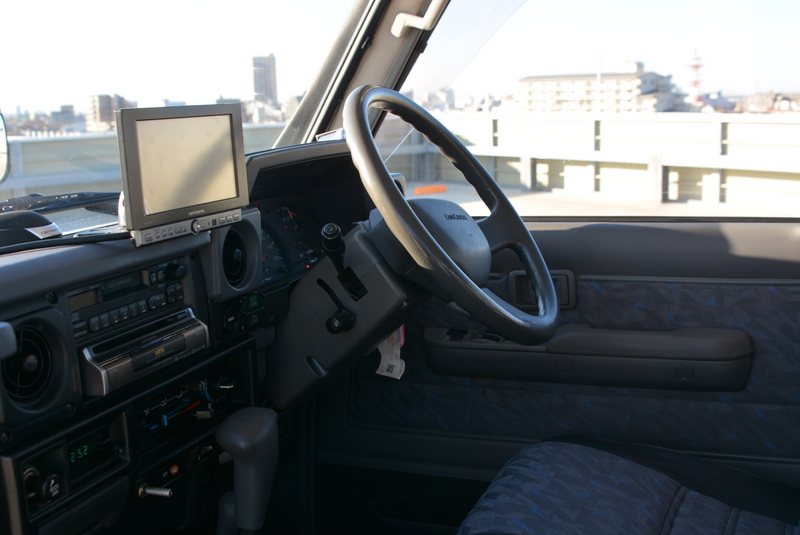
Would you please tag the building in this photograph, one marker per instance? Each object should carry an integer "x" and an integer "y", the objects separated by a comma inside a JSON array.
[
  {"x": 100, "y": 117},
  {"x": 265, "y": 84},
  {"x": 64, "y": 116},
  {"x": 246, "y": 117},
  {"x": 290, "y": 106},
  {"x": 769, "y": 103},
  {"x": 633, "y": 90}
]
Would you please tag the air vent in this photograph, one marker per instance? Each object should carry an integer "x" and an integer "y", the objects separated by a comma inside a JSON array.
[
  {"x": 26, "y": 374},
  {"x": 234, "y": 258}
]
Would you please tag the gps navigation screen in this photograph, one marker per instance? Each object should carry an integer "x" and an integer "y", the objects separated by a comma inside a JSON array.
[{"x": 185, "y": 162}]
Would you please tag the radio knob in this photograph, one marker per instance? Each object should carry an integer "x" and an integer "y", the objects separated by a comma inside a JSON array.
[
  {"x": 196, "y": 226},
  {"x": 175, "y": 272}
]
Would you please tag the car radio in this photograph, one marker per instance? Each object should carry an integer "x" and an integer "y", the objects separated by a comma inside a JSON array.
[{"x": 134, "y": 295}]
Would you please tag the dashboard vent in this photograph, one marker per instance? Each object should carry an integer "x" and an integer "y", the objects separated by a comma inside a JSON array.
[
  {"x": 26, "y": 374},
  {"x": 234, "y": 258}
]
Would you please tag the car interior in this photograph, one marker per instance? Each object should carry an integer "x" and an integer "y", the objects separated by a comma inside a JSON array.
[{"x": 318, "y": 353}]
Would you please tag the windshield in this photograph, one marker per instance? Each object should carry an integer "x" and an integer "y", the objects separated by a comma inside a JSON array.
[
  {"x": 74, "y": 63},
  {"x": 611, "y": 109},
  {"x": 577, "y": 108}
]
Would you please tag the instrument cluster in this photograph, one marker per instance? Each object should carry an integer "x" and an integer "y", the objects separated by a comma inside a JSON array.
[{"x": 290, "y": 239}]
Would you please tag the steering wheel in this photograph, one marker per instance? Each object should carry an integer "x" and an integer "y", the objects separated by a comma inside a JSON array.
[{"x": 457, "y": 235}]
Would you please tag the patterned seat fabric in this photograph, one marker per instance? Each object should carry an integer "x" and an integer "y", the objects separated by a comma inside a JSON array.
[{"x": 559, "y": 488}]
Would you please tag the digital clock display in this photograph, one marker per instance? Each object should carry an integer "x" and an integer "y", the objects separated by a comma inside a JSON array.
[
  {"x": 81, "y": 453},
  {"x": 90, "y": 451}
]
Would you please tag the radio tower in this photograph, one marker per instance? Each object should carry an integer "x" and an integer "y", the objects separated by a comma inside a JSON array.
[{"x": 694, "y": 97}]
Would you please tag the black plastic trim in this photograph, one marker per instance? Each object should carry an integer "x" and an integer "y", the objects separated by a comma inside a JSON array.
[{"x": 683, "y": 359}]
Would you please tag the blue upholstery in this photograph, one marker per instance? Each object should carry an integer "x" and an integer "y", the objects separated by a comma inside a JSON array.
[
  {"x": 760, "y": 420},
  {"x": 560, "y": 488}
]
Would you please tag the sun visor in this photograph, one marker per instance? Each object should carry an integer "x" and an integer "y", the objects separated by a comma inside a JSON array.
[{"x": 25, "y": 226}]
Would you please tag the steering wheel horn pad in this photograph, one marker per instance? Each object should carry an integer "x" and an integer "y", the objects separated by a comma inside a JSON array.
[
  {"x": 503, "y": 228},
  {"x": 453, "y": 229}
]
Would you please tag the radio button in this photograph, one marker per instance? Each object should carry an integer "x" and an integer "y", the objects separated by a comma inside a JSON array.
[
  {"x": 114, "y": 314},
  {"x": 133, "y": 310},
  {"x": 142, "y": 306},
  {"x": 79, "y": 326},
  {"x": 175, "y": 292},
  {"x": 157, "y": 301},
  {"x": 105, "y": 321},
  {"x": 124, "y": 314},
  {"x": 94, "y": 324}
]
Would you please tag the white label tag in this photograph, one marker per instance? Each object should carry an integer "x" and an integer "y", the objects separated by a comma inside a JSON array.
[
  {"x": 391, "y": 363},
  {"x": 46, "y": 231}
]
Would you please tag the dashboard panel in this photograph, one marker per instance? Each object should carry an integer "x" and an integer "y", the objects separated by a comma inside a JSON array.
[{"x": 126, "y": 359}]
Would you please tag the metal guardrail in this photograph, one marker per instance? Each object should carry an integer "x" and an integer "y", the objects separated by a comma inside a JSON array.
[
  {"x": 61, "y": 164},
  {"x": 656, "y": 157}
]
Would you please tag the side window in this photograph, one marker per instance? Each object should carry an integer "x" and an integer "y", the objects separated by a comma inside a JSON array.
[{"x": 702, "y": 124}]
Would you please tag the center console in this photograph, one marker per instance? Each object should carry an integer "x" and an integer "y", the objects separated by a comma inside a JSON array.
[
  {"x": 135, "y": 451},
  {"x": 122, "y": 383}
]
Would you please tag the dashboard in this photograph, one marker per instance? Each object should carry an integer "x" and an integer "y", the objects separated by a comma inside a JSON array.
[{"x": 125, "y": 360}]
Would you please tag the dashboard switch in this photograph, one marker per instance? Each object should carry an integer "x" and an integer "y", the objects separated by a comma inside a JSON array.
[
  {"x": 222, "y": 386},
  {"x": 147, "y": 490},
  {"x": 340, "y": 322},
  {"x": 175, "y": 272},
  {"x": 196, "y": 386},
  {"x": 42, "y": 488},
  {"x": 230, "y": 319},
  {"x": 205, "y": 414}
]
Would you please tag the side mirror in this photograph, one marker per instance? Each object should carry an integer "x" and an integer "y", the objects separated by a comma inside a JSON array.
[{"x": 4, "y": 167}]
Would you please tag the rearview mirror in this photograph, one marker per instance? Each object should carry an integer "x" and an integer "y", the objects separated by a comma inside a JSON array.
[{"x": 4, "y": 167}]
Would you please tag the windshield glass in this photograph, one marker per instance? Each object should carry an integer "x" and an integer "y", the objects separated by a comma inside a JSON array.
[
  {"x": 74, "y": 63},
  {"x": 622, "y": 108}
]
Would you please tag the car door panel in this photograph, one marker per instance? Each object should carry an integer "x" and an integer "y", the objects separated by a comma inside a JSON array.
[
  {"x": 681, "y": 359},
  {"x": 655, "y": 277}
]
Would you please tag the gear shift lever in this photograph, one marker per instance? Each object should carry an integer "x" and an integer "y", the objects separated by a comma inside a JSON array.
[{"x": 250, "y": 436}]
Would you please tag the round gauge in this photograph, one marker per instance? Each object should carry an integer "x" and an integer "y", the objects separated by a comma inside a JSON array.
[
  {"x": 273, "y": 259},
  {"x": 288, "y": 218}
]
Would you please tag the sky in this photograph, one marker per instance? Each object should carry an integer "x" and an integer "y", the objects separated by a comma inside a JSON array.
[
  {"x": 196, "y": 51},
  {"x": 182, "y": 50},
  {"x": 745, "y": 46}
]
